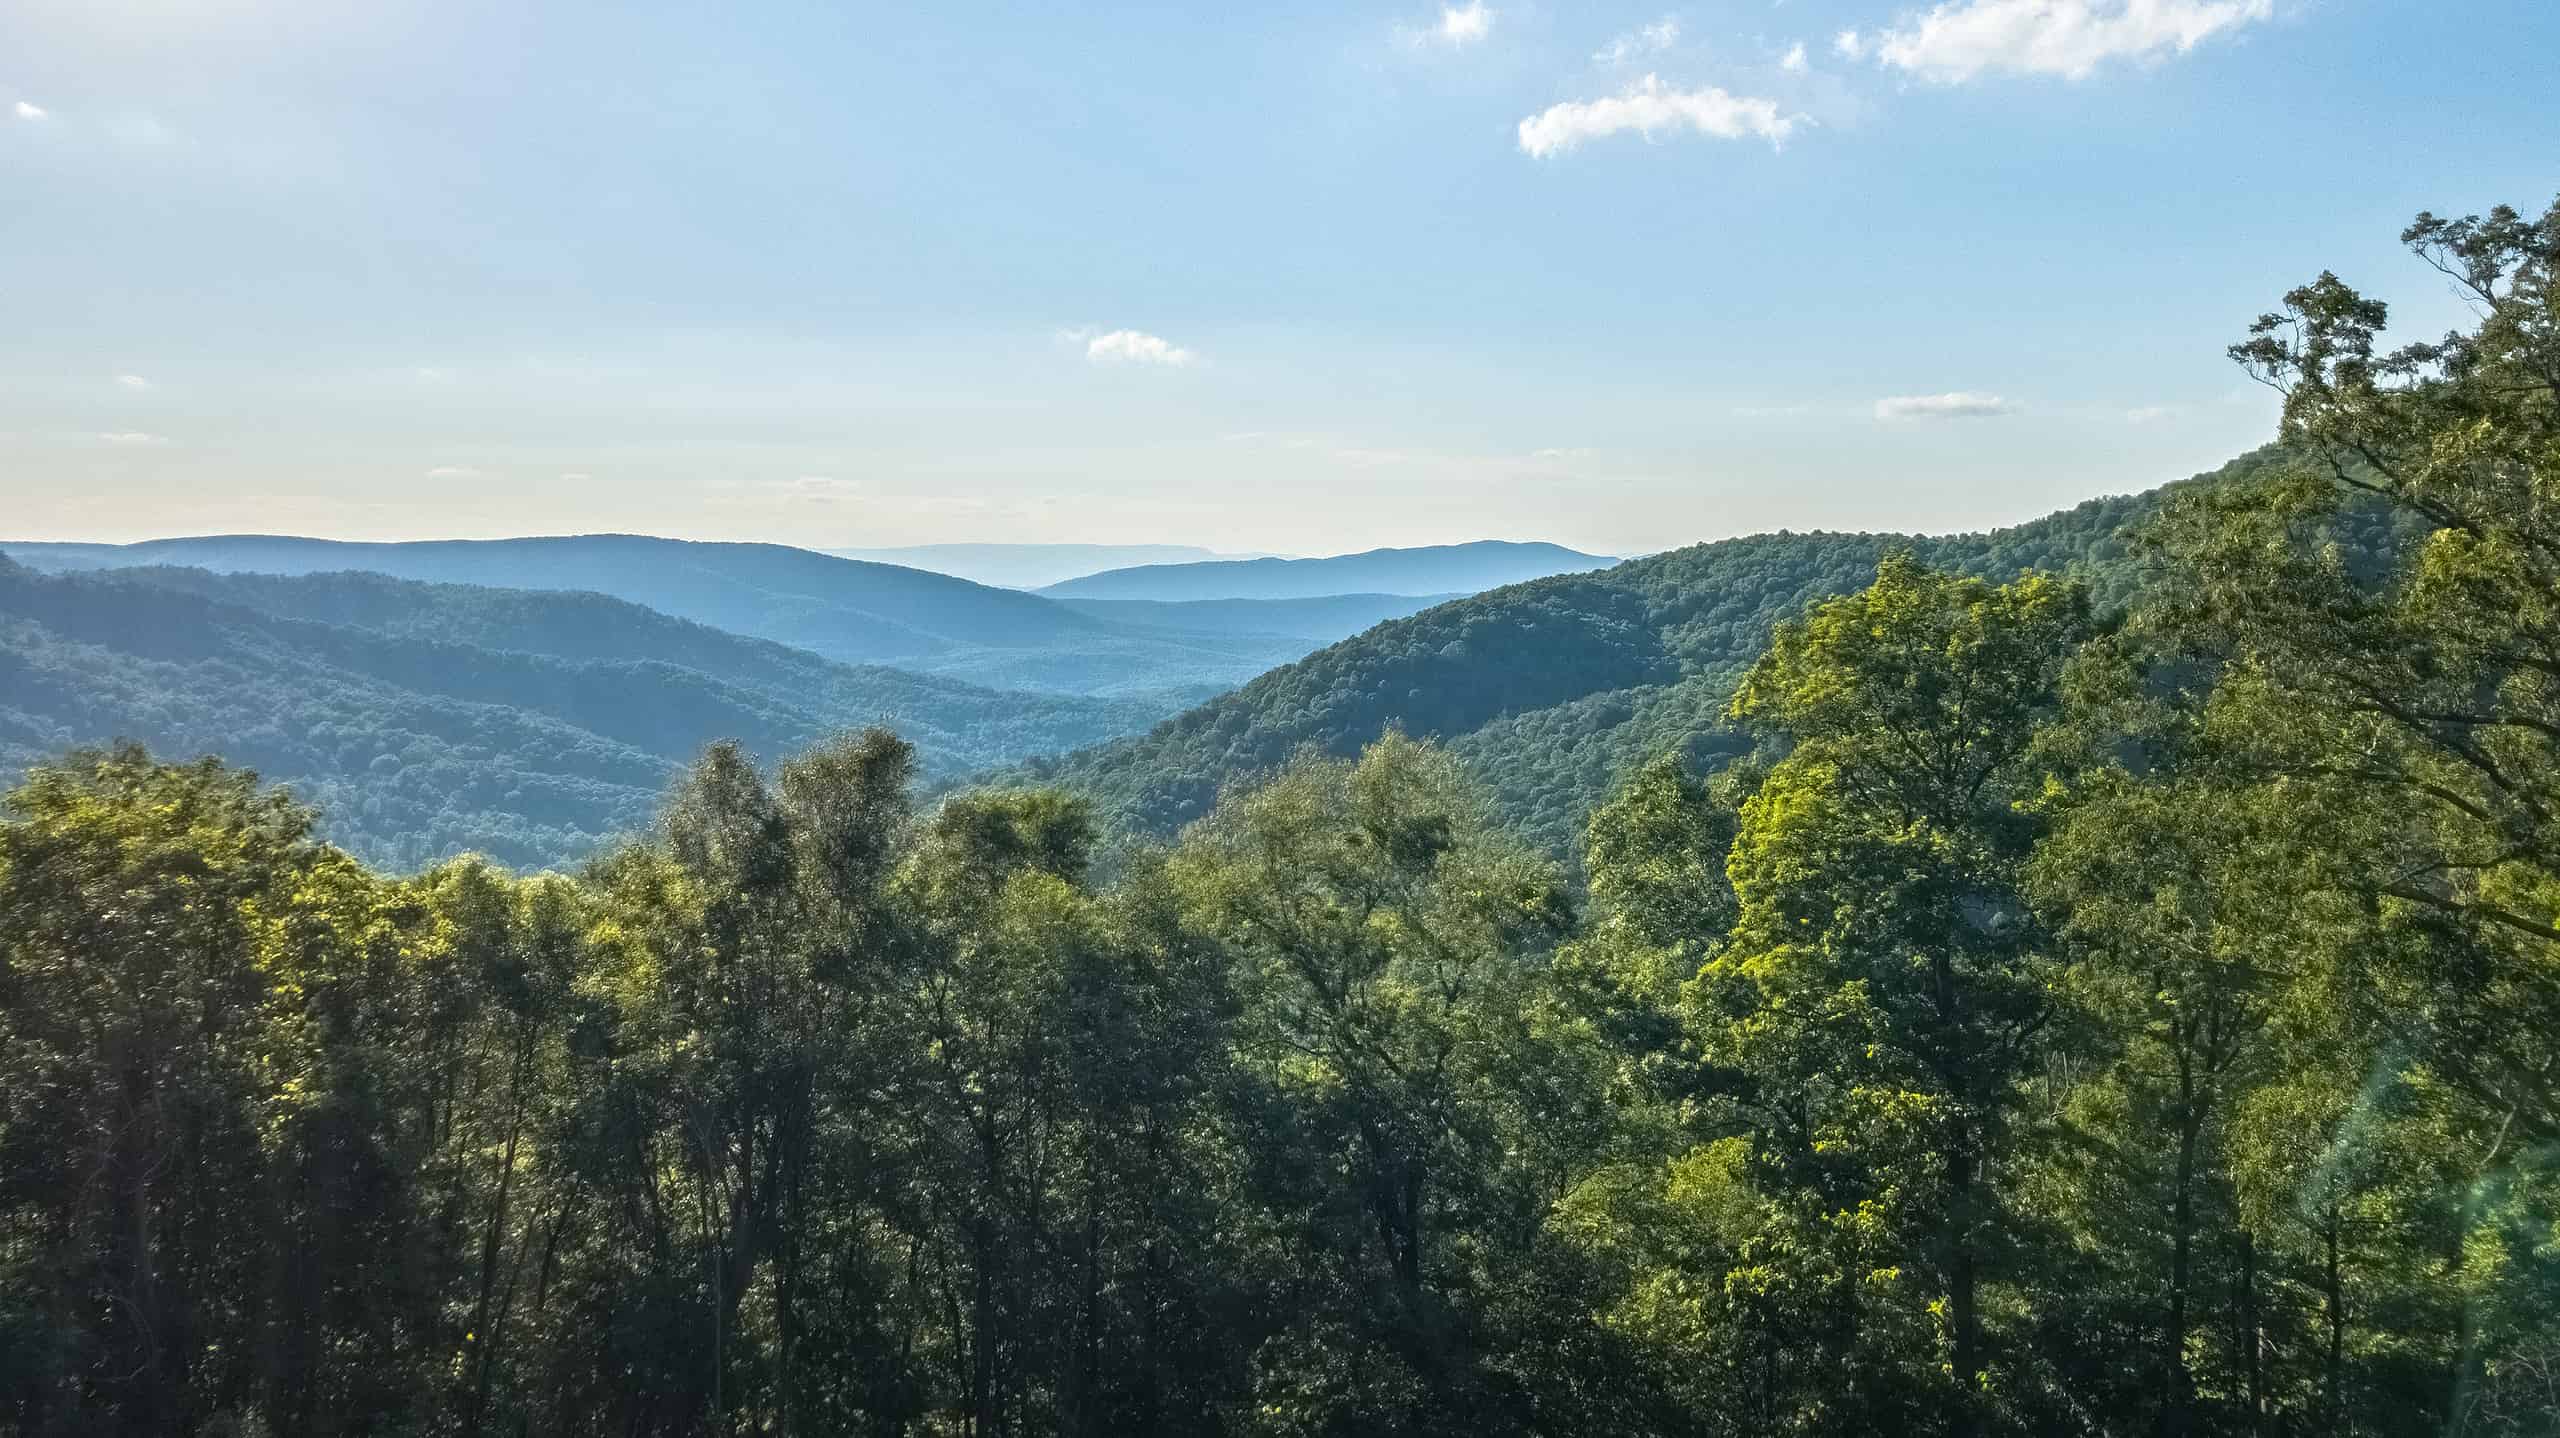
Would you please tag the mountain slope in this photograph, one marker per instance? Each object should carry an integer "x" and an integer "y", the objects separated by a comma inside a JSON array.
[
  {"x": 1552, "y": 688},
  {"x": 841, "y": 609},
  {"x": 1435, "y": 569},
  {"x": 432, "y": 718}
]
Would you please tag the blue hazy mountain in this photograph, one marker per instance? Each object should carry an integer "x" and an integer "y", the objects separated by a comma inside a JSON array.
[
  {"x": 1029, "y": 566},
  {"x": 430, "y": 718},
  {"x": 1433, "y": 569},
  {"x": 846, "y": 610}
]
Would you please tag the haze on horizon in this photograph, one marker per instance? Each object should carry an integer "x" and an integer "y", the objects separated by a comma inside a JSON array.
[{"x": 1325, "y": 278}]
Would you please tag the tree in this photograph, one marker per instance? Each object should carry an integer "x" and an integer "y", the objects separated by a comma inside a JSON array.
[
  {"x": 1384, "y": 939},
  {"x": 2396, "y": 594},
  {"x": 1885, "y": 989}
]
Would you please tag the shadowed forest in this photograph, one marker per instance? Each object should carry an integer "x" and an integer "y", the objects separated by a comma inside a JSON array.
[{"x": 2055, "y": 1014}]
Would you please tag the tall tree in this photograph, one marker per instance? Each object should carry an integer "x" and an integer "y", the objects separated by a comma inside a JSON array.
[
  {"x": 1384, "y": 936},
  {"x": 1885, "y": 988}
]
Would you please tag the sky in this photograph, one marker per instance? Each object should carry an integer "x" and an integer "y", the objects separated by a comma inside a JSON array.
[{"x": 1287, "y": 277}]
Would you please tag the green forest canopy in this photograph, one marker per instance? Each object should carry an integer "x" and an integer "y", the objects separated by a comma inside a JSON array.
[{"x": 2054, "y": 1025}]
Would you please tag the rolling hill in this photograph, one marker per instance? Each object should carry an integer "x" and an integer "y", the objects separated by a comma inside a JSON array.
[
  {"x": 1553, "y": 688},
  {"x": 428, "y": 719},
  {"x": 841, "y": 609},
  {"x": 1435, "y": 569}
]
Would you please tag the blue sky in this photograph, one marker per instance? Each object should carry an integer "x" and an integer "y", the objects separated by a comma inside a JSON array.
[{"x": 1296, "y": 277}]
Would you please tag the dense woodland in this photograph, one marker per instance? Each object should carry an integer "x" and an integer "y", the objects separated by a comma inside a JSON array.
[{"x": 2047, "y": 1021}]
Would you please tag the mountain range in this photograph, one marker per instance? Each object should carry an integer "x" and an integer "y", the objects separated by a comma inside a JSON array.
[
  {"x": 851, "y": 611},
  {"x": 1432, "y": 569},
  {"x": 846, "y": 610},
  {"x": 535, "y": 707},
  {"x": 1029, "y": 566},
  {"x": 1554, "y": 688},
  {"x": 427, "y": 719}
]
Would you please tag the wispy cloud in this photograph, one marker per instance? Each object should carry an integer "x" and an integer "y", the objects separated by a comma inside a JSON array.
[
  {"x": 1849, "y": 45},
  {"x": 27, "y": 110},
  {"x": 1794, "y": 59},
  {"x": 2149, "y": 414},
  {"x": 134, "y": 439},
  {"x": 1136, "y": 347},
  {"x": 1649, "y": 108},
  {"x": 453, "y": 471},
  {"x": 133, "y": 381},
  {"x": 1650, "y": 39},
  {"x": 1964, "y": 39},
  {"x": 1957, "y": 404},
  {"x": 822, "y": 488}
]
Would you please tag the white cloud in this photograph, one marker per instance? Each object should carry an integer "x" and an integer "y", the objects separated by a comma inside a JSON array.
[
  {"x": 1651, "y": 39},
  {"x": 453, "y": 471},
  {"x": 1136, "y": 347},
  {"x": 1958, "y": 404},
  {"x": 1794, "y": 58},
  {"x": 1849, "y": 45},
  {"x": 1649, "y": 107},
  {"x": 2149, "y": 414},
  {"x": 1962, "y": 39},
  {"x": 134, "y": 439},
  {"x": 576, "y": 476},
  {"x": 26, "y": 111},
  {"x": 133, "y": 381},
  {"x": 1463, "y": 24}
]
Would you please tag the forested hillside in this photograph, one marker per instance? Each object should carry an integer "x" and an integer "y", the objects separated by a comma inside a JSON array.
[
  {"x": 2061, "y": 1026},
  {"x": 1554, "y": 687},
  {"x": 432, "y": 719},
  {"x": 840, "y": 609}
]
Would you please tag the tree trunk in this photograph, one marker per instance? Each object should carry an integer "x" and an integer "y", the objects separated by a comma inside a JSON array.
[
  {"x": 982, "y": 1325},
  {"x": 2333, "y": 1290},
  {"x": 1964, "y": 1314},
  {"x": 2252, "y": 1334},
  {"x": 2177, "y": 1404},
  {"x": 482, "y": 1340}
]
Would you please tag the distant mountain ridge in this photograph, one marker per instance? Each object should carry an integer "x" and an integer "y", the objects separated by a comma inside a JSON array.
[
  {"x": 847, "y": 610},
  {"x": 1431, "y": 569},
  {"x": 429, "y": 719},
  {"x": 1029, "y": 566},
  {"x": 1317, "y": 622}
]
